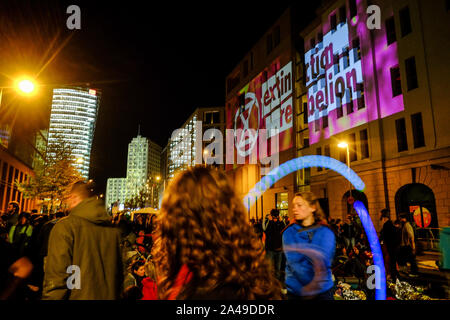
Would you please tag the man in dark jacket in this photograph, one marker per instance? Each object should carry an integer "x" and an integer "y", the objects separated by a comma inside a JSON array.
[
  {"x": 84, "y": 256},
  {"x": 388, "y": 237},
  {"x": 273, "y": 227}
]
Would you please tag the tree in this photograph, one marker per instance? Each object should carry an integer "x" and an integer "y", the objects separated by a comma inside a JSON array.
[
  {"x": 138, "y": 200},
  {"x": 53, "y": 176}
]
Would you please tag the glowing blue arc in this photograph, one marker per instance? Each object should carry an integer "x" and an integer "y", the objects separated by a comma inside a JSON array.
[
  {"x": 297, "y": 164},
  {"x": 330, "y": 163},
  {"x": 380, "y": 292}
]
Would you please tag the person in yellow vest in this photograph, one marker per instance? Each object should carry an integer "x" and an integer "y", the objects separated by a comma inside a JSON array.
[{"x": 20, "y": 234}]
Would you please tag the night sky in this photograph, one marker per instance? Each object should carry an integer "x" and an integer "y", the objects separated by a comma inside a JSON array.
[{"x": 154, "y": 62}]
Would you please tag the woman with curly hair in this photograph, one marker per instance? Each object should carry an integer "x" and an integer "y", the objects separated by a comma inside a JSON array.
[{"x": 205, "y": 247}]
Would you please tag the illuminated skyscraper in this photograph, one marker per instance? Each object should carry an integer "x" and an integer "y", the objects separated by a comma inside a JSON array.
[
  {"x": 143, "y": 166},
  {"x": 73, "y": 117}
]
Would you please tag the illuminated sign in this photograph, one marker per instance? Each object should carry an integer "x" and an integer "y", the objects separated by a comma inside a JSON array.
[
  {"x": 333, "y": 72},
  {"x": 92, "y": 92},
  {"x": 341, "y": 71},
  {"x": 264, "y": 103}
]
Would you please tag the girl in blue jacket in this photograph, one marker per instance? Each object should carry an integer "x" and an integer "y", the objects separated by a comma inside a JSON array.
[{"x": 309, "y": 246}]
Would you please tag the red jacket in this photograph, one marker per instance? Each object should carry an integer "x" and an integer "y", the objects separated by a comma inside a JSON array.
[{"x": 149, "y": 289}]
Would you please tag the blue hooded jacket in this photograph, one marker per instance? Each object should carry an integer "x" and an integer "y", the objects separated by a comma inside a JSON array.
[{"x": 301, "y": 248}]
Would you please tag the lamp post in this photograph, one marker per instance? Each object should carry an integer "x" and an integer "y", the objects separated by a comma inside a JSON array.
[
  {"x": 205, "y": 156},
  {"x": 345, "y": 145}
]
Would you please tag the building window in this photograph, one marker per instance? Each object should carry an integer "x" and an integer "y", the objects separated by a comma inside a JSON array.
[
  {"x": 211, "y": 117},
  {"x": 305, "y": 143},
  {"x": 405, "y": 21},
  {"x": 396, "y": 81},
  {"x": 417, "y": 127},
  {"x": 245, "y": 71},
  {"x": 327, "y": 151},
  {"x": 364, "y": 144},
  {"x": 356, "y": 49},
  {"x": 307, "y": 176},
  {"x": 336, "y": 63},
  {"x": 305, "y": 113},
  {"x": 360, "y": 91},
  {"x": 319, "y": 153},
  {"x": 346, "y": 58},
  {"x": 269, "y": 43},
  {"x": 402, "y": 141},
  {"x": 342, "y": 14},
  {"x": 411, "y": 74},
  {"x": 276, "y": 36},
  {"x": 325, "y": 122},
  {"x": 352, "y": 147},
  {"x": 317, "y": 125},
  {"x": 353, "y": 10},
  {"x": 349, "y": 98},
  {"x": 333, "y": 22},
  {"x": 390, "y": 31}
]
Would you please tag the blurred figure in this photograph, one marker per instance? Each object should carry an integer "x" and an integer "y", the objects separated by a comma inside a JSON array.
[
  {"x": 349, "y": 233},
  {"x": 88, "y": 240},
  {"x": 309, "y": 246},
  {"x": 274, "y": 243},
  {"x": 11, "y": 216},
  {"x": 205, "y": 247},
  {"x": 388, "y": 239},
  {"x": 407, "y": 251},
  {"x": 20, "y": 235},
  {"x": 149, "y": 283}
]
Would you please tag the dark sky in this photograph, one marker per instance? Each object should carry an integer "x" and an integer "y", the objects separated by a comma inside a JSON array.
[{"x": 154, "y": 62}]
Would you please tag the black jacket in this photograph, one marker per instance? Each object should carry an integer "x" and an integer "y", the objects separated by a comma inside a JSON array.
[{"x": 274, "y": 238}]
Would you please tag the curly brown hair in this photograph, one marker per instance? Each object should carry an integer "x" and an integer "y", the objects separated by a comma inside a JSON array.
[{"x": 202, "y": 224}]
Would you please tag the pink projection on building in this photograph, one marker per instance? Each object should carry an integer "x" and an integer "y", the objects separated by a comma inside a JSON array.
[{"x": 347, "y": 86}]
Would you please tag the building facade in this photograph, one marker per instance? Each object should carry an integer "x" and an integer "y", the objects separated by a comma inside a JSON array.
[
  {"x": 261, "y": 94},
  {"x": 379, "y": 90},
  {"x": 73, "y": 117},
  {"x": 382, "y": 92},
  {"x": 13, "y": 170},
  {"x": 143, "y": 170},
  {"x": 116, "y": 191},
  {"x": 193, "y": 144}
]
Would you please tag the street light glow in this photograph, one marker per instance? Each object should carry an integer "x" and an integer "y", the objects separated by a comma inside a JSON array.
[
  {"x": 343, "y": 145},
  {"x": 26, "y": 86},
  {"x": 158, "y": 178}
]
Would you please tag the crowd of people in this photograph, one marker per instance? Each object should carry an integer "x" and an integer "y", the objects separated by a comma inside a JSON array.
[{"x": 199, "y": 246}]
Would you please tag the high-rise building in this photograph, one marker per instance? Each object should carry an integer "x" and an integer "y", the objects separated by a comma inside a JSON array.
[
  {"x": 116, "y": 190},
  {"x": 186, "y": 144},
  {"x": 73, "y": 117},
  {"x": 143, "y": 168}
]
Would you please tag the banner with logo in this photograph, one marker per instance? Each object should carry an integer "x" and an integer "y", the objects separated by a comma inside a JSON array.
[{"x": 264, "y": 103}]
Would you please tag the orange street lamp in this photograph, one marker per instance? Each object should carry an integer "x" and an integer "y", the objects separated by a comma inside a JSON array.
[{"x": 26, "y": 86}]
